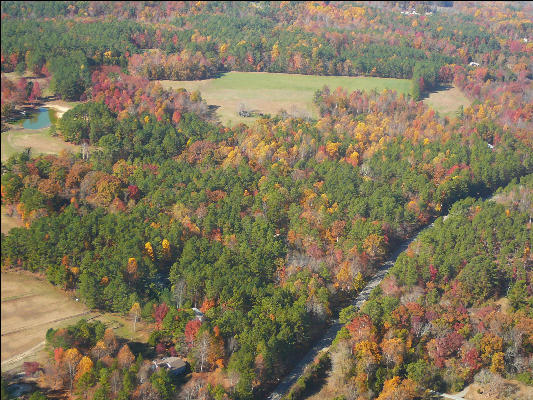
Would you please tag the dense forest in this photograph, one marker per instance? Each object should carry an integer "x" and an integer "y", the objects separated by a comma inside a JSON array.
[
  {"x": 455, "y": 304},
  {"x": 180, "y": 40},
  {"x": 269, "y": 228}
]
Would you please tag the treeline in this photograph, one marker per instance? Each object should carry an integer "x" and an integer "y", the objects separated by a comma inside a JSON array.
[{"x": 456, "y": 304}]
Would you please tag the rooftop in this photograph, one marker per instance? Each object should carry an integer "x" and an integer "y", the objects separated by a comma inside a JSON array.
[{"x": 170, "y": 362}]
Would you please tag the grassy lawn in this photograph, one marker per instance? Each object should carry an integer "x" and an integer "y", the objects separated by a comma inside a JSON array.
[
  {"x": 40, "y": 141},
  {"x": 269, "y": 93}
]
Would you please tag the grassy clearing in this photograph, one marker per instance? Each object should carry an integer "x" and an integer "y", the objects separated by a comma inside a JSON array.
[
  {"x": 9, "y": 222},
  {"x": 123, "y": 327},
  {"x": 269, "y": 93},
  {"x": 447, "y": 101},
  {"x": 30, "y": 307},
  {"x": 43, "y": 82},
  {"x": 41, "y": 142}
]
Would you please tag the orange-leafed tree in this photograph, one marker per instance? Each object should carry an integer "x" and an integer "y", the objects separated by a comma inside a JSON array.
[
  {"x": 85, "y": 365},
  {"x": 71, "y": 359},
  {"x": 110, "y": 340},
  {"x": 393, "y": 351},
  {"x": 125, "y": 357},
  {"x": 396, "y": 389},
  {"x": 361, "y": 328}
]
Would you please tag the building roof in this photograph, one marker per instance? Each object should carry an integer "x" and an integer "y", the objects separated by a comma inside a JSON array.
[{"x": 170, "y": 362}]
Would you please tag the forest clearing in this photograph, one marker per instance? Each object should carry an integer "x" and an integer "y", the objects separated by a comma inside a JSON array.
[
  {"x": 447, "y": 101},
  {"x": 9, "y": 221},
  {"x": 268, "y": 93}
]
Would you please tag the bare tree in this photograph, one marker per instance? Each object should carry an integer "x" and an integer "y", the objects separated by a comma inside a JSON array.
[
  {"x": 145, "y": 371},
  {"x": 202, "y": 349},
  {"x": 341, "y": 363},
  {"x": 115, "y": 381},
  {"x": 178, "y": 291},
  {"x": 191, "y": 391},
  {"x": 135, "y": 313},
  {"x": 233, "y": 377}
]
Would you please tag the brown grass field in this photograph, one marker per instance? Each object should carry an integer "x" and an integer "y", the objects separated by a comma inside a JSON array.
[
  {"x": 9, "y": 222},
  {"x": 30, "y": 307},
  {"x": 447, "y": 101},
  {"x": 39, "y": 140}
]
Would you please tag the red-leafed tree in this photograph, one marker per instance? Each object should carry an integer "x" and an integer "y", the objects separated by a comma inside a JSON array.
[
  {"x": 191, "y": 330},
  {"x": 159, "y": 313}
]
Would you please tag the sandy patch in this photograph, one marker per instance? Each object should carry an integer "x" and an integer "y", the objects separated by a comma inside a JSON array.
[
  {"x": 61, "y": 107},
  {"x": 511, "y": 390}
]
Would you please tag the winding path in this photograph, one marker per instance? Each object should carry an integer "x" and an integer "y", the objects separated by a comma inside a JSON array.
[{"x": 325, "y": 341}]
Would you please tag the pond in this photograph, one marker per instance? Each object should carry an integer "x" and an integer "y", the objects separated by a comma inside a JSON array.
[{"x": 42, "y": 118}]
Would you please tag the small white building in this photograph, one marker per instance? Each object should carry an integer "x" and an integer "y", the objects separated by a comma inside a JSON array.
[
  {"x": 473, "y": 64},
  {"x": 198, "y": 314}
]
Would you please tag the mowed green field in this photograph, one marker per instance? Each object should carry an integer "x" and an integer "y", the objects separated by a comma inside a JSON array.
[
  {"x": 269, "y": 93},
  {"x": 39, "y": 140}
]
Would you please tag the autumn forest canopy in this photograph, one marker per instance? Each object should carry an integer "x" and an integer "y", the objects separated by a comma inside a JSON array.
[{"x": 271, "y": 228}]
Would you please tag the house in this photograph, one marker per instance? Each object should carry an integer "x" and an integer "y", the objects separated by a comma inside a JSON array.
[
  {"x": 198, "y": 314},
  {"x": 473, "y": 64},
  {"x": 174, "y": 365}
]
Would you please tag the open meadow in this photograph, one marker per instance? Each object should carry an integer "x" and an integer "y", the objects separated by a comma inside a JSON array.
[
  {"x": 9, "y": 221},
  {"x": 269, "y": 93}
]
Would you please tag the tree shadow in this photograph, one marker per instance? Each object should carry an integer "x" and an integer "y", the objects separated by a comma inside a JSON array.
[
  {"x": 147, "y": 351},
  {"x": 439, "y": 88}
]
